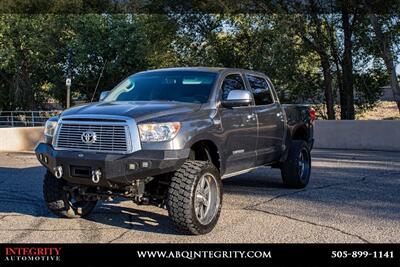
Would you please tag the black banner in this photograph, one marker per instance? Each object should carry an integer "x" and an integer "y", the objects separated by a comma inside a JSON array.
[{"x": 200, "y": 254}]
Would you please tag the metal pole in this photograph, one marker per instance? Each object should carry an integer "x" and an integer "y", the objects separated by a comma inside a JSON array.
[
  {"x": 33, "y": 119},
  {"x": 68, "y": 96},
  {"x": 68, "y": 81},
  {"x": 12, "y": 119}
]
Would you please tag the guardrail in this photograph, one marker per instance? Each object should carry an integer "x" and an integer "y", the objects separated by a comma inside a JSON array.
[{"x": 29, "y": 118}]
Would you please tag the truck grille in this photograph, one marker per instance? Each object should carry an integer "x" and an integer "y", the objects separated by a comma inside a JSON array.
[{"x": 99, "y": 138}]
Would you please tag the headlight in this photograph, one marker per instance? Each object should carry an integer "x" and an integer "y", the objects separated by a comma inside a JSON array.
[
  {"x": 49, "y": 128},
  {"x": 158, "y": 132}
]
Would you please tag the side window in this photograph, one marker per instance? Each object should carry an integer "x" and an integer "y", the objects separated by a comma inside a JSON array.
[
  {"x": 232, "y": 82},
  {"x": 260, "y": 89}
]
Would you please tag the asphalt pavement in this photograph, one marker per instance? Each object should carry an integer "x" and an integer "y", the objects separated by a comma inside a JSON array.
[{"x": 353, "y": 196}]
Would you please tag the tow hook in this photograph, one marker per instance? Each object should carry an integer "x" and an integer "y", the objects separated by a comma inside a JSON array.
[
  {"x": 58, "y": 172},
  {"x": 96, "y": 175}
]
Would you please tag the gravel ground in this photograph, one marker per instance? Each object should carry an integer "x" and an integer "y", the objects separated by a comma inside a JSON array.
[{"x": 353, "y": 196}]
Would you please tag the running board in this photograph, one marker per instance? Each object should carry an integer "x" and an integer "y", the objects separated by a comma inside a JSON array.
[{"x": 238, "y": 173}]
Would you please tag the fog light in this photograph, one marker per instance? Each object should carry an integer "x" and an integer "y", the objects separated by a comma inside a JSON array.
[
  {"x": 145, "y": 164},
  {"x": 45, "y": 159},
  {"x": 132, "y": 166}
]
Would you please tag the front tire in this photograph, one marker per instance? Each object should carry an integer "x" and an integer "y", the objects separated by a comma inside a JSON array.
[
  {"x": 195, "y": 197},
  {"x": 61, "y": 202},
  {"x": 296, "y": 169}
]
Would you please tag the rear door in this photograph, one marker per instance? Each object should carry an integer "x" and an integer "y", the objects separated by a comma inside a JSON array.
[
  {"x": 240, "y": 128},
  {"x": 270, "y": 119}
]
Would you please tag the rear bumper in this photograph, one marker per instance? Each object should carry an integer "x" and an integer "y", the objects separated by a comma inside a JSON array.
[{"x": 116, "y": 169}]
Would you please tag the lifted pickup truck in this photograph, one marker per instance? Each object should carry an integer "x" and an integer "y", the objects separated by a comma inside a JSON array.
[{"x": 167, "y": 137}]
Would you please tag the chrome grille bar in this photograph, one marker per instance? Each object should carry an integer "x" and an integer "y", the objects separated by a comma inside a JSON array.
[{"x": 111, "y": 137}]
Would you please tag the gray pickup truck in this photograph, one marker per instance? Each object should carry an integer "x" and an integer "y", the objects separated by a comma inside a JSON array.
[{"x": 167, "y": 137}]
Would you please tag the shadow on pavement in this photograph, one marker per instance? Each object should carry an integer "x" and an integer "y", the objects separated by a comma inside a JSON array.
[
  {"x": 21, "y": 193},
  {"x": 109, "y": 213}
]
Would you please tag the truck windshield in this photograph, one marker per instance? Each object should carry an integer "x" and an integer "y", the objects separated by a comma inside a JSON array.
[{"x": 180, "y": 86}]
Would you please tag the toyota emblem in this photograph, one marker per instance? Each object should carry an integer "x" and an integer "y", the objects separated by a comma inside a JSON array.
[{"x": 89, "y": 137}]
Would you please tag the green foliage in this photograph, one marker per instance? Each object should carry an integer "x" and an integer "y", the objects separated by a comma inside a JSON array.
[
  {"x": 366, "y": 85},
  {"x": 257, "y": 42},
  {"x": 34, "y": 48}
]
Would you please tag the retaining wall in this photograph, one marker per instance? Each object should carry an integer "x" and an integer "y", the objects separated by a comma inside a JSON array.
[
  {"x": 364, "y": 135},
  {"x": 367, "y": 135}
]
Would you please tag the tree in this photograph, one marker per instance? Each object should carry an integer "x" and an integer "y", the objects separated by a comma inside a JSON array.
[
  {"x": 387, "y": 56},
  {"x": 33, "y": 49},
  {"x": 316, "y": 35},
  {"x": 347, "y": 92},
  {"x": 309, "y": 53}
]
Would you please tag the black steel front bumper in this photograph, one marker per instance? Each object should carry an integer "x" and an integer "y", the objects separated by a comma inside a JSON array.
[{"x": 116, "y": 169}]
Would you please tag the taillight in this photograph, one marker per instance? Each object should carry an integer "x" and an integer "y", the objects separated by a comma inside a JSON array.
[{"x": 312, "y": 114}]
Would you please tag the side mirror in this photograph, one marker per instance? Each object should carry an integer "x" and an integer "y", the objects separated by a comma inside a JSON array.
[
  {"x": 237, "y": 98},
  {"x": 103, "y": 95}
]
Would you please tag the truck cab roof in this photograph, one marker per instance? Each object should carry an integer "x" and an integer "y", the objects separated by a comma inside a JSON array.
[{"x": 205, "y": 69}]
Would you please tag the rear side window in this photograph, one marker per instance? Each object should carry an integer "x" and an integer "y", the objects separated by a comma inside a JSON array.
[
  {"x": 260, "y": 89},
  {"x": 232, "y": 82}
]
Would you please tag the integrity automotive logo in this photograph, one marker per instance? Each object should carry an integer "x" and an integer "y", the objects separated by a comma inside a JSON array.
[{"x": 32, "y": 254}]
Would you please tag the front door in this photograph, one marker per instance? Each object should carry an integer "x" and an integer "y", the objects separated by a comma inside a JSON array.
[{"x": 240, "y": 129}]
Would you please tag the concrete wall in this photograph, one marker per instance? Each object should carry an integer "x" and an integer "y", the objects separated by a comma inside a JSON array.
[
  {"x": 369, "y": 135},
  {"x": 20, "y": 138}
]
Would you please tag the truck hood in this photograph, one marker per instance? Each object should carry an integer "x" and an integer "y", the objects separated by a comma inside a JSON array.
[{"x": 140, "y": 110}]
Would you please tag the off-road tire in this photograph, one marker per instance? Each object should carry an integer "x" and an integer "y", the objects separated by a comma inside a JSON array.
[
  {"x": 181, "y": 196},
  {"x": 57, "y": 201},
  {"x": 291, "y": 169}
]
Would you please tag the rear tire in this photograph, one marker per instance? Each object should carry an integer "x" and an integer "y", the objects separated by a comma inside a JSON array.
[
  {"x": 60, "y": 202},
  {"x": 195, "y": 197},
  {"x": 296, "y": 169}
]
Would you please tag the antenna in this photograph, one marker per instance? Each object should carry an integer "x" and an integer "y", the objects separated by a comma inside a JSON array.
[{"x": 98, "y": 80}]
